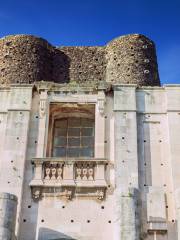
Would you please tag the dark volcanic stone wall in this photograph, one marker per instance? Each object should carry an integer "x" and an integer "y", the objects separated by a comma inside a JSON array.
[
  {"x": 84, "y": 64},
  {"x": 132, "y": 59},
  {"x": 128, "y": 59},
  {"x": 24, "y": 59}
]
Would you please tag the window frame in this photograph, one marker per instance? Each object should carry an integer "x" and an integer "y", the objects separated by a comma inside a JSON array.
[
  {"x": 80, "y": 136},
  {"x": 86, "y": 110}
]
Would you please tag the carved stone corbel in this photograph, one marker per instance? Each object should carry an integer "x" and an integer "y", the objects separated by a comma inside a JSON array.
[
  {"x": 43, "y": 104},
  {"x": 42, "y": 109},
  {"x": 101, "y": 102},
  {"x": 36, "y": 193},
  {"x": 67, "y": 194},
  {"x": 100, "y": 194}
]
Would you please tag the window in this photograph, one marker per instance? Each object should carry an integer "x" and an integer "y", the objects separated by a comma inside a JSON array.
[{"x": 73, "y": 137}]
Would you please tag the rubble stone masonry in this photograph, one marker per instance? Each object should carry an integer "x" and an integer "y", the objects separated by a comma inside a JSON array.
[{"x": 127, "y": 59}]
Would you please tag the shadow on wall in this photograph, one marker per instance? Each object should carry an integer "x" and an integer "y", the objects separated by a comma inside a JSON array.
[
  {"x": 49, "y": 234},
  {"x": 27, "y": 59},
  {"x": 61, "y": 65}
]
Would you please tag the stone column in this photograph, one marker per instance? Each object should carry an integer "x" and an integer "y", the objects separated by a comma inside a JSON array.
[
  {"x": 8, "y": 208},
  {"x": 126, "y": 163}
]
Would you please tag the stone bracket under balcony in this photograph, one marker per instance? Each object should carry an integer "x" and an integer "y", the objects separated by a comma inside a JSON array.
[{"x": 68, "y": 178}]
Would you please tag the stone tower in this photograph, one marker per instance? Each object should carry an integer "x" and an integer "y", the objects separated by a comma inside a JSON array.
[{"x": 132, "y": 59}]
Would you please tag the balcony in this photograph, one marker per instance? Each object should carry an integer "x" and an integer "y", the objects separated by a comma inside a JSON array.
[{"x": 69, "y": 178}]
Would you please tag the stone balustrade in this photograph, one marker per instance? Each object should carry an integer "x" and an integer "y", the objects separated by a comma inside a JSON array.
[
  {"x": 84, "y": 171},
  {"x": 69, "y": 175},
  {"x": 53, "y": 171}
]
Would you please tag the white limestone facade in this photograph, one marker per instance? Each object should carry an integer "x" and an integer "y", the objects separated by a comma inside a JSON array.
[{"x": 125, "y": 186}]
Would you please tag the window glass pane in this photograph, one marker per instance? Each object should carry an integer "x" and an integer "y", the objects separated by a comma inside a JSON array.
[
  {"x": 87, "y": 152},
  {"x": 74, "y": 142},
  {"x": 60, "y": 141},
  {"x": 74, "y": 122},
  {"x": 87, "y": 141},
  {"x": 74, "y": 132},
  {"x": 73, "y": 137},
  {"x": 86, "y": 122},
  {"x": 62, "y": 123},
  {"x": 73, "y": 152},
  {"x": 59, "y": 152},
  {"x": 60, "y": 131},
  {"x": 87, "y": 132}
]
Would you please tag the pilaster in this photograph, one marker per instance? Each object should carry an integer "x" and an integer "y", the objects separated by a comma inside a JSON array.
[
  {"x": 100, "y": 126},
  {"x": 15, "y": 135},
  {"x": 43, "y": 124},
  {"x": 126, "y": 162},
  {"x": 173, "y": 115}
]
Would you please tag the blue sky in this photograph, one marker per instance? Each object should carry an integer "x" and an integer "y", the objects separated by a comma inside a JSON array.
[{"x": 95, "y": 22}]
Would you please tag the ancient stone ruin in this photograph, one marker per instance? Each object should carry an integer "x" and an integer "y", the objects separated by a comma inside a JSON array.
[
  {"x": 89, "y": 142},
  {"x": 127, "y": 59}
]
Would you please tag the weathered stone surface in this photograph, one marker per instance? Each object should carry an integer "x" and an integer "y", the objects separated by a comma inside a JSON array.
[
  {"x": 25, "y": 59},
  {"x": 8, "y": 206},
  {"x": 136, "y": 140},
  {"x": 85, "y": 64},
  {"x": 128, "y": 59},
  {"x": 132, "y": 59}
]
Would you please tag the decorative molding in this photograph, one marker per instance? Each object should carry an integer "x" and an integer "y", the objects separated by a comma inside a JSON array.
[
  {"x": 43, "y": 104},
  {"x": 36, "y": 193},
  {"x": 99, "y": 194},
  {"x": 42, "y": 109},
  {"x": 101, "y": 100},
  {"x": 68, "y": 178}
]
